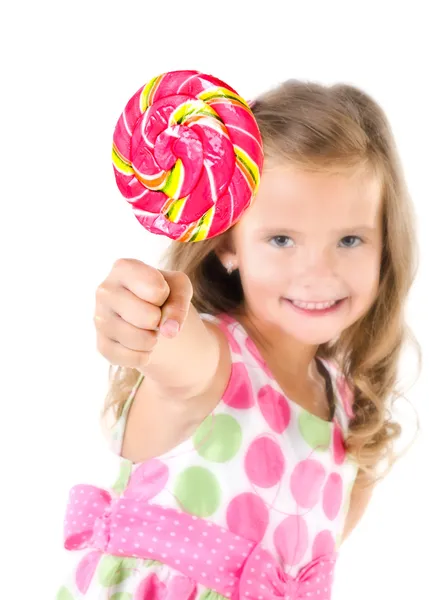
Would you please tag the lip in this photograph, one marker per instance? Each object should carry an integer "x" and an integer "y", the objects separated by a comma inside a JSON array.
[
  {"x": 315, "y": 312},
  {"x": 313, "y": 301}
]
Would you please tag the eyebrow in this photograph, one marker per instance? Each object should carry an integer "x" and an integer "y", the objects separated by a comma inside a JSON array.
[{"x": 345, "y": 230}]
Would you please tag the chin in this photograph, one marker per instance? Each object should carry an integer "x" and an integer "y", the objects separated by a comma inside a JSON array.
[{"x": 314, "y": 339}]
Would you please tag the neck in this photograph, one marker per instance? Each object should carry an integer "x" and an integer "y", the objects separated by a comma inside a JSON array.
[{"x": 280, "y": 349}]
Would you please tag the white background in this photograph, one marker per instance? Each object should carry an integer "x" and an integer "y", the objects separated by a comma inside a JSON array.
[{"x": 68, "y": 69}]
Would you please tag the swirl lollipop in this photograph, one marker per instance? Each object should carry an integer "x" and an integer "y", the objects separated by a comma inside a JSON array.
[{"x": 187, "y": 155}]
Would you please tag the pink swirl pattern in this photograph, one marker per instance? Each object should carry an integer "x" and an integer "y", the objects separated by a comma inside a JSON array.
[{"x": 187, "y": 155}]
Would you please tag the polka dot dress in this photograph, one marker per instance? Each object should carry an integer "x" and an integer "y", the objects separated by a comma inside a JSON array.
[{"x": 251, "y": 506}]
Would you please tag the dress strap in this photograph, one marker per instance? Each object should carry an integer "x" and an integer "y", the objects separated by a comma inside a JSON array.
[
  {"x": 232, "y": 330},
  {"x": 115, "y": 432},
  {"x": 326, "y": 374},
  {"x": 343, "y": 396}
]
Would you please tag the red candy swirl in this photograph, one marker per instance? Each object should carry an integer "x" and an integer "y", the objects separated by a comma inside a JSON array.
[{"x": 187, "y": 155}]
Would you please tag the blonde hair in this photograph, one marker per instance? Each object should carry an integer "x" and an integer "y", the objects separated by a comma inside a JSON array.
[{"x": 331, "y": 129}]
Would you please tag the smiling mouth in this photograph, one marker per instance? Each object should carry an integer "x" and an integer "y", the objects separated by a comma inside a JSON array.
[{"x": 313, "y": 305}]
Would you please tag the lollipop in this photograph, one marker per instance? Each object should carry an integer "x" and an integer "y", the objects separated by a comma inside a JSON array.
[{"x": 187, "y": 155}]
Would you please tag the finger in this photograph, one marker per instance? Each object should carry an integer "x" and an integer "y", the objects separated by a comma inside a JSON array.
[
  {"x": 114, "y": 328},
  {"x": 128, "y": 306},
  {"x": 176, "y": 308},
  {"x": 118, "y": 355},
  {"x": 142, "y": 280}
]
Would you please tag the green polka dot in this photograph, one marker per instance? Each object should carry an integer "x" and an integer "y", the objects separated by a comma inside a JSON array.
[
  {"x": 152, "y": 563},
  {"x": 112, "y": 570},
  {"x": 123, "y": 477},
  {"x": 64, "y": 594},
  {"x": 315, "y": 431},
  {"x": 218, "y": 438},
  {"x": 198, "y": 492},
  {"x": 211, "y": 595}
]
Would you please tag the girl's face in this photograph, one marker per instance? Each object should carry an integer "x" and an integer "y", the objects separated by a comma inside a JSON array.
[{"x": 310, "y": 240}]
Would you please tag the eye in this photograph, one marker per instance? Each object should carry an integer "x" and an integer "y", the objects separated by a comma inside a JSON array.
[
  {"x": 281, "y": 241},
  {"x": 350, "y": 241}
]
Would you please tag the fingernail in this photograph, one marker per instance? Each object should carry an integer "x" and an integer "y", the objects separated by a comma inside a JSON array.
[{"x": 170, "y": 328}]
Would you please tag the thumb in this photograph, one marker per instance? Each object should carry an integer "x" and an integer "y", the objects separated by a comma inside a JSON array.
[{"x": 175, "y": 309}]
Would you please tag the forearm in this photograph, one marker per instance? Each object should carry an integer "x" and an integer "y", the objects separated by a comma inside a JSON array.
[{"x": 186, "y": 363}]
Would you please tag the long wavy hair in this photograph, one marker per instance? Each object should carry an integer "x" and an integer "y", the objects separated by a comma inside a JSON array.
[{"x": 333, "y": 129}]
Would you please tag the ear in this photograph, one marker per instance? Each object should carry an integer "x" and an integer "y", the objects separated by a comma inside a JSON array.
[
  {"x": 226, "y": 253},
  {"x": 228, "y": 260}
]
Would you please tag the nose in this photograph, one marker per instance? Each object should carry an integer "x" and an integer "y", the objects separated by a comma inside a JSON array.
[{"x": 314, "y": 262}]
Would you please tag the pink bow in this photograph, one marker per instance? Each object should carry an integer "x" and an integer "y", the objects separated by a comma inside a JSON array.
[
  {"x": 94, "y": 520},
  {"x": 87, "y": 515},
  {"x": 263, "y": 579}
]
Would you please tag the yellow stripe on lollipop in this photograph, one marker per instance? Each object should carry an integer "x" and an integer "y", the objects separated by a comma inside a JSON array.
[
  {"x": 173, "y": 209},
  {"x": 219, "y": 93},
  {"x": 248, "y": 167},
  {"x": 173, "y": 185},
  {"x": 189, "y": 110},
  {"x": 148, "y": 92},
  {"x": 202, "y": 229},
  {"x": 199, "y": 231},
  {"x": 121, "y": 163}
]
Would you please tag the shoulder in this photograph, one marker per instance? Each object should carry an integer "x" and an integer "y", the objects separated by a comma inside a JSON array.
[{"x": 228, "y": 329}]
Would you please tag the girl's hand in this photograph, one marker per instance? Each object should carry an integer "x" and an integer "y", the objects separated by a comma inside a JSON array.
[{"x": 134, "y": 305}]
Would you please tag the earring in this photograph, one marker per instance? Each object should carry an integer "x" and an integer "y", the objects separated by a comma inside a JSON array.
[{"x": 229, "y": 267}]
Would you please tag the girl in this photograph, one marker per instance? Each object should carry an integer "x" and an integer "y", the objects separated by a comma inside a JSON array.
[{"x": 251, "y": 403}]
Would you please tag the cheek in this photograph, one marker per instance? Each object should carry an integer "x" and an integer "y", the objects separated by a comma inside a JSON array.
[
  {"x": 261, "y": 268},
  {"x": 364, "y": 277},
  {"x": 261, "y": 281}
]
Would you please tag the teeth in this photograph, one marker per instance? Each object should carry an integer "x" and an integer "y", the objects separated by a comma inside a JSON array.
[{"x": 313, "y": 305}]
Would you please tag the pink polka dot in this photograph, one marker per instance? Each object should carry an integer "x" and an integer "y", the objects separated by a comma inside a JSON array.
[
  {"x": 251, "y": 347},
  {"x": 147, "y": 480},
  {"x": 247, "y": 516},
  {"x": 275, "y": 408},
  {"x": 151, "y": 588},
  {"x": 291, "y": 539},
  {"x": 333, "y": 495},
  {"x": 238, "y": 393},
  {"x": 324, "y": 543},
  {"x": 264, "y": 463},
  {"x": 339, "y": 446},
  {"x": 86, "y": 569},
  {"x": 306, "y": 482}
]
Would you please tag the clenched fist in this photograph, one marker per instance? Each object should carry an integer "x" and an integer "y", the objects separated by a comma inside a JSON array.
[{"x": 134, "y": 305}]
